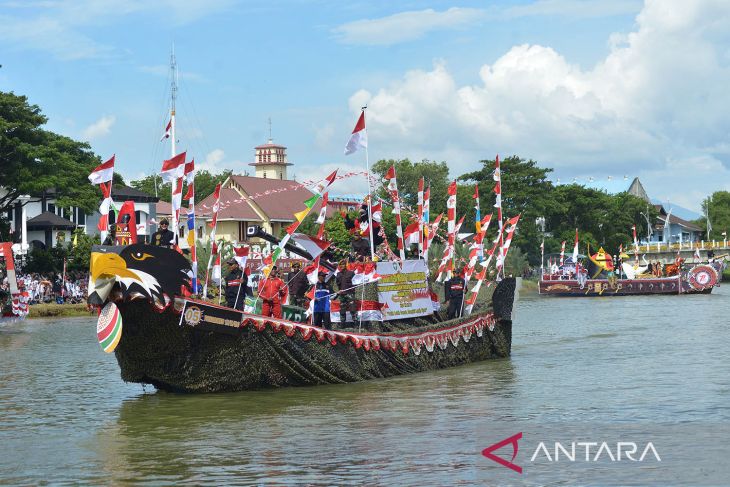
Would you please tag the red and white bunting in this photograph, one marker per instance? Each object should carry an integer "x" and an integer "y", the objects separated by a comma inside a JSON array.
[
  {"x": 370, "y": 310},
  {"x": 510, "y": 231},
  {"x": 390, "y": 176},
  {"x": 214, "y": 227},
  {"x": 421, "y": 184},
  {"x": 498, "y": 200},
  {"x": 477, "y": 248},
  {"x": 425, "y": 222}
]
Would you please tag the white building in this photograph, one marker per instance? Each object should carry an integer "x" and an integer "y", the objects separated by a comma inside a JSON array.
[{"x": 37, "y": 221}]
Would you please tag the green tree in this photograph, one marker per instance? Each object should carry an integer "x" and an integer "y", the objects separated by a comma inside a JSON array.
[
  {"x": 33, "y": 159},
  {"x": 526, "y": 191},
  {"x": 719, "y": 209}
]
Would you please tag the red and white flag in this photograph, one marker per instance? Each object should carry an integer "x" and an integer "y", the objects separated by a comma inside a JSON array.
[
  {"x": 103, "y": 173},
  {"x": 359, "y": 137},
  {"x": 412, "y": 234},
  {"x": 575, "y": 247},
  {"x": 378, "y": 211},
  {"x": 313, "y": 245},
  {"x": 562, "y": 254},
  {"x": 241, "y": 256},
  {"x": 173, "y": 168},
  {"x": 323, "y": 209},
  {"x": 390, "y": 177},
  {"x": 168, "y": 131}
]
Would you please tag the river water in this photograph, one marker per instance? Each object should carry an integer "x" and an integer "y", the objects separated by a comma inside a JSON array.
[{"x": 635, "y": 369}]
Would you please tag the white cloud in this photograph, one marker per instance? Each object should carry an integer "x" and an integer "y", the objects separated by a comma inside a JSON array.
[
  {"x": 216, "y": 162},
  {"x": 404, "y": 26},
  {"x": 660, "y": 95},
  {"x": 100, "y": 128}
]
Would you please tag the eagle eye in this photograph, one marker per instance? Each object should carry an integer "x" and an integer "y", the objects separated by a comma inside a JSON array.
[{"x": 141, "y": 256}]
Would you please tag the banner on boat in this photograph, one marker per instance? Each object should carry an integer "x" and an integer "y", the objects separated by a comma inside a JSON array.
[{"x": 403, "y": 289}]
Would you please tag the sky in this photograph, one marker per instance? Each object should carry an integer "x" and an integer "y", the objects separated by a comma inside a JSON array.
[{"x": 591, "y": 88}]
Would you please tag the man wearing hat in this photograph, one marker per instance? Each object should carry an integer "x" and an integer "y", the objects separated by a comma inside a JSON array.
[
  {"x": 236, "y": 285},
  {"x": 163, "y": 237},
  {"x": 298, "y": 284},
  {"x": 454, "y": 290},
  {"x": 321, "y": 308}
]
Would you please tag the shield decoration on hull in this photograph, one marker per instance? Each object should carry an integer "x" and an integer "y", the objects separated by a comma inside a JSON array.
[{"x": 109, "y": 327}]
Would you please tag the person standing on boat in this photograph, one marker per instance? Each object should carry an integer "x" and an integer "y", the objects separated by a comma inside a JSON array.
[
  {"x": 271, "y": 292},
  {"x": 236, "y": 286},
  {"x": 360, "y": 246},
  {"x": 297, "y": 282},
  {"x": 321, "y": 309},
  {"x": 454, "y": 290},
  {"x": 163, "y": 237},
  {"x": 346, "y": 292}
]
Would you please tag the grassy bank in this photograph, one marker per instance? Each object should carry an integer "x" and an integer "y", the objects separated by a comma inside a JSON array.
[
  {"x": 529, "y": 286},
  {"x": 50, "y": 310}
]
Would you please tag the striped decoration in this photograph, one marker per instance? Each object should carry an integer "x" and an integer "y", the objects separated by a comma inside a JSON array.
[{"x": 109, "y": 327}]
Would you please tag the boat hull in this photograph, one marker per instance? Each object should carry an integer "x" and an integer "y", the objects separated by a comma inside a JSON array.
[{"x": 208, "y": 348}]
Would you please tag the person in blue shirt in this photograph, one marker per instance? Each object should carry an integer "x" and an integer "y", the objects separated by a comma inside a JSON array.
[{"x": 321, "y": 310}]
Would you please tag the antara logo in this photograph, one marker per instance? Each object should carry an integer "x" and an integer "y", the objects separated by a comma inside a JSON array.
[
  {"x": 587, "y": 451},
  {"x": 512, "y": 440}
]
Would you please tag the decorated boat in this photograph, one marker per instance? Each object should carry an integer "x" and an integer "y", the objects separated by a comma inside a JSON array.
[
  {"x": 181, "y": 344},
  {"x": 599, "y": 276}
]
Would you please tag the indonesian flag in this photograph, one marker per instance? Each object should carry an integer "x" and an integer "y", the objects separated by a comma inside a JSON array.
[
  {"x": 241, "y": 256},
  {"x": 378, "y": 212},
  {"x": 359, "y": 137},
  {"x": 575, "y": 247},
  {"x": 103, "y": 173},
  {"x": 365, "y": 273},
  {"x": 562, "y": 253},
  {"x": 106, "y": 204},
  {"x": 323, "y": 209},
  {"x": 313, "y": 245},
  {"x": 173, "y": 168},
  {"x": 411, "y": 234},
  {"x": 319, "y": 188},
  {"x": 168, "y": 131},
  {"x": 189, "y": 172},
  {"x": 216, "y": 274},
  {"x": 312, "y": 271}
]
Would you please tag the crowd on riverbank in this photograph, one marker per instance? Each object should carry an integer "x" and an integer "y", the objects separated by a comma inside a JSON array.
[{"x": 51, "y": 287}]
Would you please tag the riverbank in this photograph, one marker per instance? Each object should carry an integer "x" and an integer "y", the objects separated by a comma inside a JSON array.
[{"x": 52, "y": 310}]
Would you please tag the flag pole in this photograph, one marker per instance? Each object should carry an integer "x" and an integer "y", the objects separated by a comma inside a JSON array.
[{"x": 370, "y": 199}]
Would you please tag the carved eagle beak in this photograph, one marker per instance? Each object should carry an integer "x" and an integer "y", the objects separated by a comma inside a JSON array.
[{"x": 109, "y": 266}]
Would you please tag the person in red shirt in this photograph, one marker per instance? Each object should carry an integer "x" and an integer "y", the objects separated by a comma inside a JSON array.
[{"x": 271, "y": 293}]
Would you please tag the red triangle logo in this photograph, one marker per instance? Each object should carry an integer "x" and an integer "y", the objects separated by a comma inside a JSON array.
[{"x": 512, "y": 440}]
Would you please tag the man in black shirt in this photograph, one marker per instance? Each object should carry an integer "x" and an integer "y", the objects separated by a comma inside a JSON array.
[
  {"x": 360, "y": 246},
  {"x": 454, "y": 290},
  {"x": 163, "y": 237},
  {"x": 298, "y": 284},
  {"x": 236, "y": 284},
  {"x": 345, "y": 293}
]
